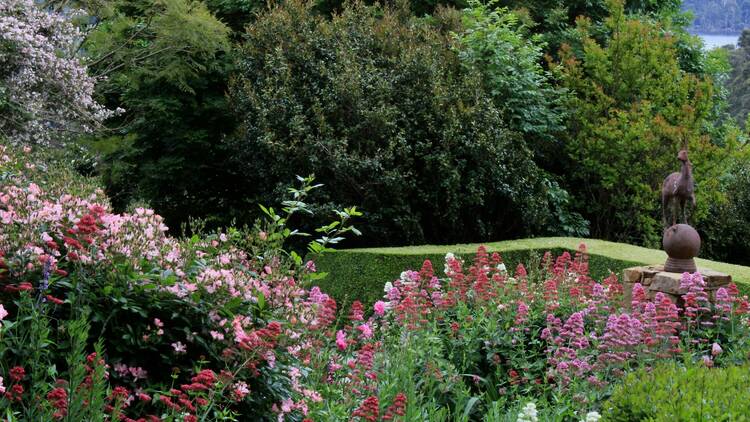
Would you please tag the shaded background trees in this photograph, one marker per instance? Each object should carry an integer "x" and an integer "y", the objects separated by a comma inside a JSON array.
[{"x": 501, "y": 120}]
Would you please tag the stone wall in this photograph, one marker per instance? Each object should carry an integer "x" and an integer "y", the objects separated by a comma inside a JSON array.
[{"x": 654, "y": 279}]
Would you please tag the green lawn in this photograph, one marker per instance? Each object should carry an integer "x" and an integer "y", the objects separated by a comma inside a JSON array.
[{"x": 361, "y": 273}]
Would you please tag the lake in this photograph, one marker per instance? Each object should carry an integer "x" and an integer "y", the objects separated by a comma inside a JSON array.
[{"x": 713, "y": 41}]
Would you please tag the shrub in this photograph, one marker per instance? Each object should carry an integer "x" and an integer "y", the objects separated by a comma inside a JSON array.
[
  {"x": 633, "y": 108},
  {"x": 167, "y": 64},
  {"x": 189, "y": 326},
  {"x": 45, "y": 91},
  {"x": 377, "y": 104},
  {"x": 728, "y": 229},
  {"x": 672, "y": 392}
]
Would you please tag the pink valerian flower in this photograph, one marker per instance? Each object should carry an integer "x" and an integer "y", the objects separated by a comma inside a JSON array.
[
  {"x": 379, "y": 308},
  {"x": 639, "y": 300},
  {"x": 365, "y": 330},
  {"x": 551, "y": 299},
  {"x": 521, "y": 271},
  {"x": 662, "y": 323},
  {"x": 3, "y": 312},
  {"x": 216, "y": 335},
  {"x": 2, "y": 387},
  {"x": 121, "y": 369},
  {"x": 622, "y": 336},
  {"x": 369, "y": 410},
  {"x": 341, "y": 340},
  {"x": 357, "y": 312},
  {"x": 723, "y": 301},
  {"x": 522, "y": 313}
]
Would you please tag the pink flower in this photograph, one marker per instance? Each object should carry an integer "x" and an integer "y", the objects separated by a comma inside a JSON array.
[
  {"x": 3, "y": 313},
  {"x": 217, "y": 335},
  {"x": 138, "y": 373},
  {"x": 310, "y": 266},
  {"x": 241, "y": 390},
  {"x": 366, "y": 330},
  {"x": 708, "y": 361},
  {"x": 179, "y": 347},
  {"x": 341, "y": 340},
  {"x": 2, "y": 387},
  {"x": 379, "y": 308},
  {"x": 158, "y": 323},
  {"x": 121, "y": 369},
  {"x": 716, "y": 349}
]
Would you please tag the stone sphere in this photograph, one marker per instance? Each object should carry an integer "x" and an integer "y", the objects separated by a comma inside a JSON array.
[{"x": 681, "y": 241}]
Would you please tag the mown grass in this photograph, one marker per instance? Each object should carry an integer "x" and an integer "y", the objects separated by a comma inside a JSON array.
[{"x": 359, "y": 274}]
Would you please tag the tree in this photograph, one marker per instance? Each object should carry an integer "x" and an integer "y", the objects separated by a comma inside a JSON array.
[
  {"x": 167, "y": 62},
  {"x": 377, "y": 104},
  {"x": 633, "y": 109},
  {"x": 46, "y": 94},
  {"x": 719, "y": 16}
]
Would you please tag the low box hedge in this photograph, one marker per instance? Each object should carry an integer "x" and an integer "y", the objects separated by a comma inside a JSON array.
[{"x": 359, "y": 274}]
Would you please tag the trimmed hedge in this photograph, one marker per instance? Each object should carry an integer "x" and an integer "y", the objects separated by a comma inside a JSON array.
[{"x": 359, "y": 274}]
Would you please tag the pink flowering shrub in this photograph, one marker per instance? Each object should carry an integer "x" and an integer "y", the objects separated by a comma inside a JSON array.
[
  {"x": 212, "y": 323},
  {"x": 45, "y": 92}
]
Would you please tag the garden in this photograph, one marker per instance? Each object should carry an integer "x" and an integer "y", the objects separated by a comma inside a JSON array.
[{"x": 221, "y": 210}]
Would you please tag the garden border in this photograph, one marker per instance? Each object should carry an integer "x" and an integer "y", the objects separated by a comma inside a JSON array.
[{"x": 359, "y": 274}]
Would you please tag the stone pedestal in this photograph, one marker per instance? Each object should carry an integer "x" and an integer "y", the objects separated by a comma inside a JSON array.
[{"x": 654, "y": 279}]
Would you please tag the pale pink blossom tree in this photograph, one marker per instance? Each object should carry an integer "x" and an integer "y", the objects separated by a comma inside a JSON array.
[{"x": 46, "y": 94}]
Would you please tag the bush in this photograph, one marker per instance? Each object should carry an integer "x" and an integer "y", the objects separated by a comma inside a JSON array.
[
  {"x": 671, "y": 392},
  {"x": 189, "y": 327},
  {"x": 377, "y": 105},
  {"x": 46, "y": 93},
  {"x": 633, "y": 109},
  {"x": 728, "y": 228}
]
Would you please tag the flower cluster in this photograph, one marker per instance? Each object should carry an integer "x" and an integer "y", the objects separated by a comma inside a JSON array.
[{"x": 48, "y": 86}]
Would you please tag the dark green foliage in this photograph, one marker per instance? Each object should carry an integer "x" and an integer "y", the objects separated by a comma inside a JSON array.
[
  {"x": 633, "y": 108},
  {"x": 377, "y": 105},
  {"x": 673, "y": 393},
  {"x": 719, "y": 16},
  {"x": 167, "y": 65},
  {"x": 728, "y": 229},
  {"x": 361, "y": 275}
]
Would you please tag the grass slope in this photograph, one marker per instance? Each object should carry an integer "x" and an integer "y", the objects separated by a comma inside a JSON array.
[{"x": 359, "y": 274}]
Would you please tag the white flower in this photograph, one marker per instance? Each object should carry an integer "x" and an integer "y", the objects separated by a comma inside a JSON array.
[
  {"x": 179, "y": 347},
  {"x": 388, "y": 287},
  {"x": 501, "y": 268},
  {"x": 592, "y": 417},
  {"x": 448, "y": 258},
  {"x": 528, "y": 413}
]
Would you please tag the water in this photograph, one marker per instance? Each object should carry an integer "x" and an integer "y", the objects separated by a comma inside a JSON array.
[{"x": 714, "y": 41}]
